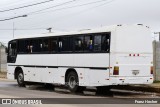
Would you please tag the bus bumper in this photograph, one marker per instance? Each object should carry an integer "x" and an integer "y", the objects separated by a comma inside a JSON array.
[{"x": 131, "y": 80}]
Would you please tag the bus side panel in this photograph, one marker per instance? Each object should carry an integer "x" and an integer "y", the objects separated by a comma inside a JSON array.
[
  {"x": 44, "y": 75},
  {"x": 96, "y": 71},
  {"x": 65, "y": 60},
  {"x": 99, "y": 77},
  {"x": 10, "y": 72},
  {"x": 49, "y": 75},
  {"x": 92, "y": 60},
  {"x": 59, "y": 77}
]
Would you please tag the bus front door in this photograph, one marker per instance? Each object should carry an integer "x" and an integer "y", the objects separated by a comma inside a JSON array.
[{"x": 12, "y": 52}]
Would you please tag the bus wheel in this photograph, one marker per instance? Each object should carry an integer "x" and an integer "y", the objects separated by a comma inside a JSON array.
[
  {"x": 20, "y": 78},
  {"x": 104, "y": 90},
  {"x": 73, "y": 83}
]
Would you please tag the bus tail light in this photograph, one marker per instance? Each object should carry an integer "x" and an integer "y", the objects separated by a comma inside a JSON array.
[
  {"x": 116, "y": 70},
  {"x": 151, "y": 69}
]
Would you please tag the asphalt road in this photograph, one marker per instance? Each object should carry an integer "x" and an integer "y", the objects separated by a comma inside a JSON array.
[{"x": 10, "y": 89}]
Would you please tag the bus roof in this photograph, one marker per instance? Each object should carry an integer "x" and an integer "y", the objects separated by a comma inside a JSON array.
[
  {"x": 85, "y": 31},
  {"x": 57, "y": 33}
]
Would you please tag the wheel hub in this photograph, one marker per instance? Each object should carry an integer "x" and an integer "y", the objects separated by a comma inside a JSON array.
[
  {"x": 72, "y": 82},
  {"x": 20, "y": 78}
]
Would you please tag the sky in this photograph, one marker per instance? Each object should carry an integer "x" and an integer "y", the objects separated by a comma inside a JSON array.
[{"x": 71, "y": 15}]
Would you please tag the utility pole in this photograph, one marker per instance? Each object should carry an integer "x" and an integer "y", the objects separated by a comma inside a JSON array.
[
  {"x": 14, "y": 23},
  {"x": 13, "y": 26}
]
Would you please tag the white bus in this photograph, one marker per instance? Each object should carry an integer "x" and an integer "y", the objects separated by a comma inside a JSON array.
[{"x": 114, "y": 55}]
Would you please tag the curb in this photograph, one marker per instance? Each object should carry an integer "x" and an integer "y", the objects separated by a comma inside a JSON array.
[
  {"x": 7, "y": 80},
  {"x": 145, "y": 88},
  {"x": 3, "y": 75}
]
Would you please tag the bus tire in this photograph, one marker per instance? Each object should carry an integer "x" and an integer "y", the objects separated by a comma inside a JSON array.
[
  {"x": 72, "y": 83},
  {"x": 20, "y": 78}
]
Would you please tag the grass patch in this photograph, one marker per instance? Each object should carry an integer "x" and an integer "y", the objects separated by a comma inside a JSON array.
[
  {"x": 3, "y": 74},
  {"x": 156, "y": 82}
]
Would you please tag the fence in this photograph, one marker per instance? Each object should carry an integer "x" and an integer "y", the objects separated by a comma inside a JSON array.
[
  {"x": 156, "y": 60},
  {"x": 3, "y": 60}
]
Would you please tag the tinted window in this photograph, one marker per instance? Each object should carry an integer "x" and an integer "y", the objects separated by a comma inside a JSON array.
[
  {"x": 97, "y": 42},
  {"x": 53, "y": 45},
  {"x": 79, "y": 43},
  {"x": 23, "y": 46},
  {"x": 88, "y": 43},
  {"x": 36, "y": 45},
  {"x": 105, "y": 43},
  {"x": 45, "y": 45},
  {"x": 66, "y": 44}
]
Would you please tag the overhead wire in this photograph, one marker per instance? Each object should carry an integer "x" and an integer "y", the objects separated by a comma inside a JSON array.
[
  {"x": 88, "y": 9},
  {"x": 15, "y": 3},
  {"x": 10, "y": 18},
  {"x": 13, "y": 18},
  {"x": 94, "y": 7},
  {"x": 62, "y": 9},
  {"x": 11, "y": 9},
  {"x": 39, "y": 11},
  {"x": 68, "y": 2},
  {"x": 84, "y": 4}
]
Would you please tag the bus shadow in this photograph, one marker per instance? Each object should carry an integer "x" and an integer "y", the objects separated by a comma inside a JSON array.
[
  {"x": 64, "y": 90},
  {"x": 89, "y": 92}
]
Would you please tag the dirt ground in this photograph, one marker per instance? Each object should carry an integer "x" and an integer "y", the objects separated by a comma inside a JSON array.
[{"x": 3, "y": 75}]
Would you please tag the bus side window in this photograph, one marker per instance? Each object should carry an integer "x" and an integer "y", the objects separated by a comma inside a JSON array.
[
  {"x": 78, "y": 45},
  {"x": 45, "y": 45},
  {"x": 105, "y": 43},
  {"x": 26, "y": 46},
  {"x": 97, "y": 43},
  {"x": 88, "y": 43},
  {"x": 23, "y": 46},
  {"x": 35, "y": 45},
  {"x": 53, "y": 45},
  {"x": 66, "y": 44}
]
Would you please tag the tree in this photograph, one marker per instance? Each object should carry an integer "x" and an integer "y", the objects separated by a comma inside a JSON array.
[{"x": 2, "y": 45}]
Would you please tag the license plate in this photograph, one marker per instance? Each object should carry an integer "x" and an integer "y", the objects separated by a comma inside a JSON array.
[{"x": 135, "y": 72}]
